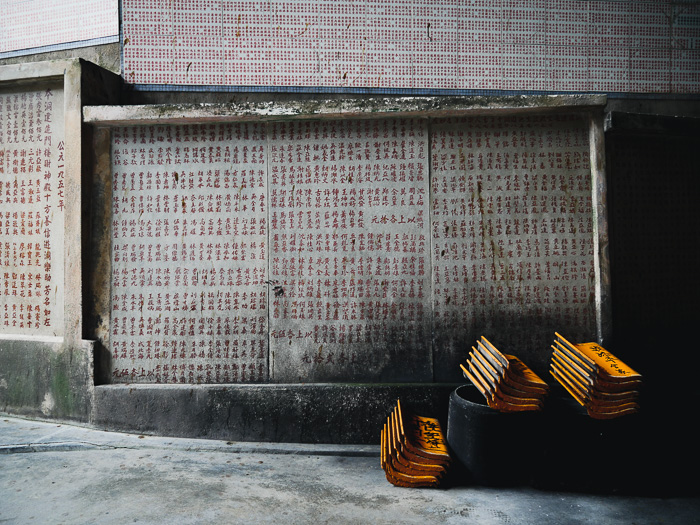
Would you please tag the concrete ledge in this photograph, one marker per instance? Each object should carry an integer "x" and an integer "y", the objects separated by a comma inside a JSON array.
[
  {"x": 380, "y": 107},
  {"x": 289, "y": 413}
]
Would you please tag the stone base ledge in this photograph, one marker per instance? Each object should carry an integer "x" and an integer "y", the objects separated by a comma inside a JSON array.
[
  {"x": 283, "y": 413},
  {"x": 46, "y": 378}
]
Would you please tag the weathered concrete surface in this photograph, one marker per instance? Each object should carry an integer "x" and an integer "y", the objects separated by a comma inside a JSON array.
[
  {"x": 46, "y": 379},
  {"x": 510, "y": 224},
  {"x": 189, "y": 257},
  {"x": 74, "y": 475},
  {"x": 513, "y": 239},
  {"x": 301, "y": 413},
  {"x": 107, "y": 56},
  {"x": 350, "y": 250},
  {"x": 328, "y": 108}
]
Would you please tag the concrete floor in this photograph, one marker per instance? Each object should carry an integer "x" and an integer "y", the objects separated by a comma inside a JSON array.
[{"x": 56, "y": 473}]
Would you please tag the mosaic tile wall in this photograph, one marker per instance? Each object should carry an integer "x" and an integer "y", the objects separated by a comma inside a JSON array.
[
  {"x": 30, "y": 24},
  {"x": 540, "y": 45}
]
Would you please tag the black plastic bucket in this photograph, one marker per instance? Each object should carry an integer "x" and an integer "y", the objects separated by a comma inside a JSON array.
[{"x": 495, "y": 448}]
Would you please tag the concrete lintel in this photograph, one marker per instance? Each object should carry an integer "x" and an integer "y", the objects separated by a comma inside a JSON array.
[
  {"x": 413, "y": 107},
  {"x": 338, "y": 413},
  {"x": 30, "y": 72}
]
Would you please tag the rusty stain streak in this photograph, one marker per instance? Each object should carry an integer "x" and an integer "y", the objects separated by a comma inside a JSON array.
[
  {"x": 480, "y": 198},
  {"x": 306, "y": 28}
]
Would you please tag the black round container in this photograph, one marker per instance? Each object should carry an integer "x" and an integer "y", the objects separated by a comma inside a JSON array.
[{"x": 495, "y": 448}]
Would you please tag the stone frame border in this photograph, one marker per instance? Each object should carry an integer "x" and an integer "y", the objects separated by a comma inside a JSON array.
[
  {"x": 102, "y": 118},
  {"x": 67, "y": 75}
]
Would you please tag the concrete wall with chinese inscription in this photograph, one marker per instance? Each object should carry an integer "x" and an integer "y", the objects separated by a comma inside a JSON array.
[
  {"x": 189, "y": 254},
  {"x": 32, "y": 204},
  {"x": 350, "y": 251},
  {"x": 46, "y": 367},
  {"x": 365, "y": 250},
  {"x": 513, "y": 234}
]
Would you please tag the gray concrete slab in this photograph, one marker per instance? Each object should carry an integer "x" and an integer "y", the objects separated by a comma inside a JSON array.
[{"x": 57, "y": 473}]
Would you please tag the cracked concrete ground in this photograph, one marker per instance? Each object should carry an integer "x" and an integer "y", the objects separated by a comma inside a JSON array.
[{"x": 57, "y": 473}]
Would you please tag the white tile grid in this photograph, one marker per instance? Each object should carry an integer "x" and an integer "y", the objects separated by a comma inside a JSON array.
[
  {"x": 685, "y": 70},
  {"x": 685, "y": 49},
  {"x": 686, "y": 21},
  {"x": 650, "y": 70},
  {"x": 568, "y": 68},
  {"x": 197, "y": 59},
  {"x": 341, "y": 62},
  {"x": 608, "y": 69},
  {"x": 544, "y": 45},
  {"x": 38, "y": 23}
]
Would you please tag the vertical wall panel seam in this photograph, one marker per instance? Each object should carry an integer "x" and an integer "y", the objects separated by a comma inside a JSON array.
[
  {"x": 433, "y": 349},
  {"x": 268, "y": 254}
]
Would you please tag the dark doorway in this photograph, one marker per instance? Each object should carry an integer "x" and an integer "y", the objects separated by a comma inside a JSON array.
[{"x": 653, "y": 166}]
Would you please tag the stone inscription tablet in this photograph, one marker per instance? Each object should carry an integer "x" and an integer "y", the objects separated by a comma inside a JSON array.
[
  {"x": 350, "y": 250},
  {"x": 189, "y": 254},
  {"x": 32, "y": 204},
  {"x": 512, "y": 230},
  {"x": 329, "y": 251}
]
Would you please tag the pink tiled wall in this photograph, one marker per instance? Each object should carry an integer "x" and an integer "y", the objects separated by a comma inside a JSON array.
[
  {"x": 27, "y": 24},
  {"x": 550, "y": 45}
]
